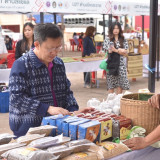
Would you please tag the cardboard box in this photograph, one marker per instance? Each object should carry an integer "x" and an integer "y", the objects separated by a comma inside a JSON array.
[
  {"x": 51, "y": 120},
  {"x": 106, "y": 128},
  {"x": 59, "y": 122},
  {"x": 65, "y": 124},
  {"x": 73, "y": 128},
  {"x": 90, "y": 131}
]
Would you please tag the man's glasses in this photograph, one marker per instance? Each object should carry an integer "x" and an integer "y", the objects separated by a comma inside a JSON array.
[{"x": 54, "y": 49}]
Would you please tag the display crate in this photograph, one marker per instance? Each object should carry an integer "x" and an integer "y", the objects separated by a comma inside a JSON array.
[{"x": 4, "y": 102}]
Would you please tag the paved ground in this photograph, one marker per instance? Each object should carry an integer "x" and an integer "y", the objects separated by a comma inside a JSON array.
[{"x": 82, "y": 95}]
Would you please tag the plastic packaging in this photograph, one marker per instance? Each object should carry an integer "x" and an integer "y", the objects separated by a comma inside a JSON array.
[
  {"x": 46, "y": 142},
  {"x": 6, "y": 147},
  {"x": 5, "y": 138},
  {"x": 28, "y": 153},
  {"x": 29, "y": 138},
  {"x": 47, "y": 129}
]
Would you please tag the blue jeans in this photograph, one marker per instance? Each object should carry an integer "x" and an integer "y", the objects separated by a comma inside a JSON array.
[{"x": 87, "y": 77}]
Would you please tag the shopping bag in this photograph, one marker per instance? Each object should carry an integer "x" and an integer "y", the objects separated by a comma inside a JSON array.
[{"x": 103, "y": 64}]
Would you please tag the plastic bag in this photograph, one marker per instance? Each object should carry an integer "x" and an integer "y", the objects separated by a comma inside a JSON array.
[
  {"x": 28, "y": 153},
  {"x": 46, "y": 142},
  {"x": 6, "y": 147},
  {"x": 29, "y": 138},
  {"x": 82, "y": 156},
  {"x": 103, "y": 64},
  {"x": 108, "y": 150},
  {"x": 47, "y": 129},
  {"x": 5, "y": 138},
  {"x": 78, "y": 142}
]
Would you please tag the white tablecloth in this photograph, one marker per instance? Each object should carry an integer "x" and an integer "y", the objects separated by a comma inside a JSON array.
[
  {"x": 83, "y": 66},
  {"x": 148, "y": 153},
  {"x": 70, "y": 67}
]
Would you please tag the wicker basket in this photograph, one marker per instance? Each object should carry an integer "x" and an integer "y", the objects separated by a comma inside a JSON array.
[{"x": 141, "y": 113}]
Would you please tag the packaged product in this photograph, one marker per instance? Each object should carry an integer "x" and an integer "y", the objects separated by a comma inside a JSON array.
[
  {"x": 5, "y": 138},
  {"x": 106, "y": 128},
  {"x": 6, "y": 147},
  {"x": 70, "y": 147},
  {"x": 50, "y": 120},
  {"x": 47, "y": 130},
  {"x": 107, "y": 150},
  {"x": 77, "y": 142},
  {"x": 59, "y": 124},
  {"x": 82, "y": 156},
  {"x": 29, "y": 138},
  {"x": 46, "y": 142},
  {"x": 66, "y": 122},
  {"x": 73, "y": 128},
  {"x": 121, "y": 127},
  {"x": 28, "y": 153},
  {"x": 90, "y": 131}
]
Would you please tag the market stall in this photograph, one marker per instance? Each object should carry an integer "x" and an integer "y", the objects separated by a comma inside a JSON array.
[
  {"x": 95, "y": 127},
  {"x": 70, "y": 67}
]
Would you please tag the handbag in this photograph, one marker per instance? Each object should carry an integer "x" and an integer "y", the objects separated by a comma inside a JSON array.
[
  {"x": 143, "y": 48},
  {"x": 103, "y": 64},
  {"x": 135, "y": 40}
]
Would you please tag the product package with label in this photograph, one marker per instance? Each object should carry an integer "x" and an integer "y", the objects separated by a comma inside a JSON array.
[
  {"x": 121, "y": 127},
  {"x": 66, "y": 122},
  {"x": 59, "y": 122},
  {"x": 90, "y": 131},
  {"x": 73, "y": 128}
]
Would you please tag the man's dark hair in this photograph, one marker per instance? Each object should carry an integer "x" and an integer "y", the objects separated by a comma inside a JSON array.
[{"x": 44, "y": 31}]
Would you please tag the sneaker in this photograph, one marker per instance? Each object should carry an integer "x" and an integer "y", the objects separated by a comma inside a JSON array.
[{"x": 88, "y": 86}]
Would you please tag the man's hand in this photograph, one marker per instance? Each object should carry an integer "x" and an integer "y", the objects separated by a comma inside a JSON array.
[
  {"x": 154, "y": 101},
  {"x": 84, "y": 110},
  {"x": 57, "y": 110},
  {"x": 136, "y": 143}
]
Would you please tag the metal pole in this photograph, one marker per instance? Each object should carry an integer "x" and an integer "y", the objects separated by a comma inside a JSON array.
[
  {"x": 55, "y": 18},
  {"x": 152, "y": 44},
  {"x": 104, "y": 25},
  {"x": 41, "y": 17},
  {"x": 158, "y": 21},
  {"x": 142, "y": 27},
  {"x": 109, "y": 21},
  {"x": 63, "y": 43}
]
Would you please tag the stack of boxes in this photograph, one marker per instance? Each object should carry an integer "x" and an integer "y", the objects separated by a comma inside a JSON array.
[{"x": 95, "y": 126}]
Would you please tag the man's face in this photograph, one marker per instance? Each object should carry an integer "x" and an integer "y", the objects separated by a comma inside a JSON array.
[{"x": 48, "y": 50}]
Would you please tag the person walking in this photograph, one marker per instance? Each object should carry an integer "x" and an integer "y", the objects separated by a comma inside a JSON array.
[
  {"x": 116, "y": 46},
  {"x": 88, "y": 48}
]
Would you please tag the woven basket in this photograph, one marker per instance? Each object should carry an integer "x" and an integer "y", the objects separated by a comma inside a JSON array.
[{"x": 141, "y": 113}]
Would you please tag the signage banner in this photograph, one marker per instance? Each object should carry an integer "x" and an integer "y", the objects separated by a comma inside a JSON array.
[
  {"x": 128, "y": 8},
  {"x": 57, "y": 6},
  {"x": 115, "y": 7}
]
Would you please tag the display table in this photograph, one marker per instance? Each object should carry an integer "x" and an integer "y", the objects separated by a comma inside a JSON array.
[
  {"x": 148, "y": 153},
  {"x": 88, "y": 66}
]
